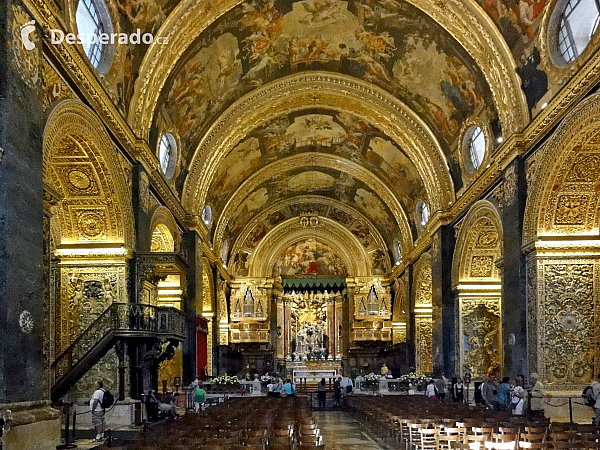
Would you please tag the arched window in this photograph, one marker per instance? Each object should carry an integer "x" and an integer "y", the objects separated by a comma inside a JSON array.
[
  {"x": 422, "y": 215},
  {"x": 207, "y": 215},
  {"x": 578, "y": 23},
  {"x": 167, "y": 154},
  {"x": 92, "y": 20},
  {"x": 476, "y": 147}
]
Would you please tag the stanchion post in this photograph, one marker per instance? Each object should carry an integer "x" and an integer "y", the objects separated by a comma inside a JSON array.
[{"x": 570, "y": 410}]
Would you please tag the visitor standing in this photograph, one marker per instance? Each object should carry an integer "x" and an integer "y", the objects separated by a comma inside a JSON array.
[
  {"x": 337, "y": 391},
  {"x": 596, "y": 396},
  {"x": 199, "y": 398},
  {"x": 517, "y": 397},
  {"x": 98, "y": 412},
  {"x": 431, "y": 391},
  {"x": 322, "y": 393},
  {"x": 490, "y": 392},
  {"x": 537, "y": 396},
  {"x": 504, "y": 394},
  {"x": 459, "y": 391}
]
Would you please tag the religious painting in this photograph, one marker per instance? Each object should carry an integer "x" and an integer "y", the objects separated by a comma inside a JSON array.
[
  {"x": 325, "y": 182},
  {"x": 309, "y": 257},
  {"x": 391, "y": 44},
  {"x": 323, "y": 131},
  {"x": 519, "y": 22}
]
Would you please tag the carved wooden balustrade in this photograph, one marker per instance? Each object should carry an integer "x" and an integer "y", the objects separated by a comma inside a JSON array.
[{"x": 119, "y": 320}]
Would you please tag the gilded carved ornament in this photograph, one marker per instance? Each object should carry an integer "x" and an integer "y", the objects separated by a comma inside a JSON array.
[
  {"x": 568, "y": 326},
  {"x": 306, "y": 160},
  {"x": 423, "y": 282},
  {"x": 478, "y": 245},
  {"x": 329, "y": 91},
  {"x": 563, "y": 196},
  {"x": 169, "y": 233},
  {"x": 79, "y": 162}
]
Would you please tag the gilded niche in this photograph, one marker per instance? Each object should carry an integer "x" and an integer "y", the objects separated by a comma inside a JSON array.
[
  {"x": 568, "y": 324},
  {"x": 481, "y": 329}
]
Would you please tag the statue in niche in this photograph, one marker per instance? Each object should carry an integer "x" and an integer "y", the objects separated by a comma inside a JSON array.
[{"x": 248, "y": 304}]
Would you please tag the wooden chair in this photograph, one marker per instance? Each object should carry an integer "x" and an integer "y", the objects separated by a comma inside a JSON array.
[
  {"x": 486, "y": 431},
  {"x": 499, "y": 437},
  {"x": 509, "y": 445},
  {"x": 567, "y": 445},
  {"x": 529, "y": 437},
  {"x": 429, "y": 439},
  {"x": 533, "y": 445},
  {"x": 311, "y": 447},
  {"x": 445, "y": 441}
]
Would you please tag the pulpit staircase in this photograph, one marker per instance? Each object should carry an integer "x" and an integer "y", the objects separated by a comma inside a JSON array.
[{"x": 118, "y": 321}]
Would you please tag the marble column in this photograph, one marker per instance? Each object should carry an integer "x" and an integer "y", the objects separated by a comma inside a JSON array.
[
  {"x": 192, "y": 298},
  {"x": 22, "y": 123},
  {"x": 514, "y": 302},
  {"x": 443, "y": 302}
]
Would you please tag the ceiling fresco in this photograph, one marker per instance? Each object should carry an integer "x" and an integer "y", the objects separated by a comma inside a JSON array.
[
  {"x": 391, "y": 44},
  {"x": 519, "y": 22},
  {"x": 334, "y": 133},
  {"x": 324, "y": 182},
  {"x": 257, "y": 229}
]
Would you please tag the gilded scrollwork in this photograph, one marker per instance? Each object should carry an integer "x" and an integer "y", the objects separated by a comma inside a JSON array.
[
  {"x": 423, "y": 282},
  {"x": 568, "y": 323}
]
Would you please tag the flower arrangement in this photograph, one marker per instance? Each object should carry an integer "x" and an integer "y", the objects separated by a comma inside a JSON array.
[
  {"x": 266, "y": 379},
  {"x": 371, "y": 380},
  {"x": 226, "y": 380},
  {"x": 414, "y": 380}
]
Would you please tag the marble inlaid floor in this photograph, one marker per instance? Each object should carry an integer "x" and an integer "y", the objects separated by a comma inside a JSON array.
[{"x": 341, "y": 432}]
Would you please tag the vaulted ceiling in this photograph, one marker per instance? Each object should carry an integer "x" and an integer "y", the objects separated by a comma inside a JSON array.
[{"x": 348, "y": 110}]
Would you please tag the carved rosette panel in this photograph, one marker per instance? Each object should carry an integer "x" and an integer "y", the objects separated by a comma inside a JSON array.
[
  {"x": 424, "y": 344},
  {"x": 569, "y": 326},
  {"x": 479, "y": 245},
  {"x": 86, "y": 292},
  {"x": 481, "y": 336},
  {"x": 81, "y": 165}
]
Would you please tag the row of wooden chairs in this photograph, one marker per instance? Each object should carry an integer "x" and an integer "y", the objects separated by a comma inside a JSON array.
[{"x": 239, "y": 424}]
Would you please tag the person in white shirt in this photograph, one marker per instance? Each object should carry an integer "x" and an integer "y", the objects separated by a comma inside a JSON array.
[
  {"x": 596, "y": 396},
  {"x": 98, "y": 412},
  {"x": 517, "y": 397},
  {"x": 431, "y": 389}
]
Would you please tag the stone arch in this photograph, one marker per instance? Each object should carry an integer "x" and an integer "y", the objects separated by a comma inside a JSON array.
[
  {"x": 347, "y": 246},
  {"x": 165, "y": 232},
  {"x": 402, "y": 125},
  {"x": 317, "y": 160},
  {"x": 563, "y": 198},
  {"x": 80, "y": 163},
  {"x": 478, "y": 245},
  {"x": 208, "y": 289},
  {"x": 477, "y": 285}
]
